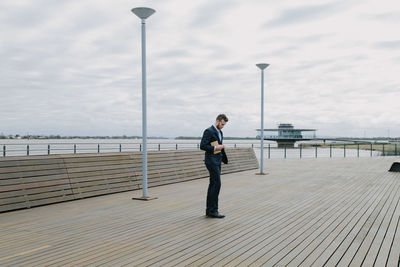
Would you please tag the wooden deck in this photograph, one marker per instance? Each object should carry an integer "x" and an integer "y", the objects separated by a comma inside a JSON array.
[{"x": 305, "y": 212}]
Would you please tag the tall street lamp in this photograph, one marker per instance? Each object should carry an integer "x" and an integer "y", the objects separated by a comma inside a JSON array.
[
  {"x": 262, "y": 66},
  {"x": 143, "y": 13}
]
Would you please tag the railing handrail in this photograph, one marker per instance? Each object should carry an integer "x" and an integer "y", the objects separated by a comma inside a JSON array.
[
  {"x": 76, "y": 147},
  {"x": 289, "y": 136}
]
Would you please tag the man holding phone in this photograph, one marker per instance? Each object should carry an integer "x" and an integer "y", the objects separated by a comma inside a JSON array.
[{"x": 211, "y": 143}]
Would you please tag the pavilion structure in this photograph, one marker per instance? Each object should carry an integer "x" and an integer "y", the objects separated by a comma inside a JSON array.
[{"x": 287, "y": 135}]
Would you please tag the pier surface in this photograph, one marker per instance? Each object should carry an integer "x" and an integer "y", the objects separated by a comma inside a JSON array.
[{"x": 304, "y": 212}]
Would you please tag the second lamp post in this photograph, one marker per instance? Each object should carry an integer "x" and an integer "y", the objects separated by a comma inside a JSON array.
[
  {"x": 143, "y": 13},
  {"x": 262, "y": 66}
]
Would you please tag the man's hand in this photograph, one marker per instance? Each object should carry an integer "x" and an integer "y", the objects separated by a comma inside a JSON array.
[{"x": 220, "y": 147}]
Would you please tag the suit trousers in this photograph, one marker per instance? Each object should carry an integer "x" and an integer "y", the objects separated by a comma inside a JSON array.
[{"x": 214, "y": 187}]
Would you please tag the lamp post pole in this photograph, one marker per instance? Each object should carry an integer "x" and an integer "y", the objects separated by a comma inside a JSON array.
[
  {"x": 143, "y": 13},
  {"x": 262, "y": 66}
]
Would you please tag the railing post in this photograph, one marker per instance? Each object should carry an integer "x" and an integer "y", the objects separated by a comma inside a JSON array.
[
  {"x": 269, "y": 151},
  {"x": 48, "y": 149},
  {"x": 4, "y": 150},
  {"x": 371, "y": 149},
  {"x": 27, "y": 150},
  {"x": 344, "y": 150},
  {"x": 316, "y": 151},
  {"x": 383, "y": 149},
  {"x": 120, "y": 147},
  {"x": 358, "y": 150},
  {"x": 140, "y": 147},
  {"x": 176, "y": 146},
  {"x": 74, "y": 148},
  {"x": 395, "y": 149},
  {"x": 98, "y": 148},
  {"x": 285, "y": 151},
  {"x": 330, "y": 150},
  {"x": 159, "y": 147}
]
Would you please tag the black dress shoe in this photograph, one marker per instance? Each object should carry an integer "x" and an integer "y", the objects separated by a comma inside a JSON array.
[{"x": 215, "y": 215}]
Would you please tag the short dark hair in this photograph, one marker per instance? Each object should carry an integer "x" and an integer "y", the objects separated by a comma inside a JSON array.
[{"x": 221, "y": 117}]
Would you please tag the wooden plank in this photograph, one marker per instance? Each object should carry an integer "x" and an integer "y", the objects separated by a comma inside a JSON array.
[
  {"x": 33, "y": 185},
  {"x": 22, "y": 192},
  {"x": 48, "y": 193},
  {"x": 71, "y": 171},
  {"x": 92, "y": 156},
  {"x": 105, "y": 191},
  {"x": 28, "y": 197},
  {"x": 93, "y": 173},
  {"x": 13, "y": 199},
  {"x": 28, "y": 158},
  {"x": 33, "y": 179},
  {"x": 83, "y": 164},
  {"x": 13, "y": 206},
  {"x": 38, "y": 173},
  {"x": 388, "y": 251},
  {"x": 28, "y": 161},
  {"x": 100, "y": 186},
  {"x": 93, "y": 184},
  {"x": 370, "y": 246},
  {"x": 394, "y": 254},
  {"x": 31, "y": 168},
  {"x": 109, "y": 176},
  {"x": 51, "y": 200}
]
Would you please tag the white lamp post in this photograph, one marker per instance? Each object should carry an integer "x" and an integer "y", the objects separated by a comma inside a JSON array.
[
  {"x": 262, "y": 66},
  {"x": 143, "y": 13}
]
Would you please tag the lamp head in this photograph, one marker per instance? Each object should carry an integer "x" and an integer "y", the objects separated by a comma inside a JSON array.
[
  {"x": 262, "y": 65},
  {"x": 143, "y": 12}
]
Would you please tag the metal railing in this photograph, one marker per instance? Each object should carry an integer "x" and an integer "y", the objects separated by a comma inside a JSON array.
[
  {"x": 270, "y": 150},
  {"x": 333, "y": 151},
  {"x": 297, "y": 136},
  {"x": 25, "y": 149}
]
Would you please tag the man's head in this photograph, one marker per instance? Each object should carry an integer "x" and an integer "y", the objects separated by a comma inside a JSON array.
[{"x": 220, "y": 121}]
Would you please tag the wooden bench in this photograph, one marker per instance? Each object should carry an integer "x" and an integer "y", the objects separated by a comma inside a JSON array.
[
  {"x": 31, "y": 181},
  {"x": 100, "y": 174}
]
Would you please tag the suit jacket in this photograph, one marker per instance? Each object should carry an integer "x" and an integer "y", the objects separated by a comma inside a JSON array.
[{"x": 211, "y": 135}]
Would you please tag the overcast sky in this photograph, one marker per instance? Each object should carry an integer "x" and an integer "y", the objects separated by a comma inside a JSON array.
[{"x": 74, "y": 67}]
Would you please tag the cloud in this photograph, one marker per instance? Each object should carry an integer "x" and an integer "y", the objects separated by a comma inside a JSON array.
[
  {"x": 211, "y": 12},
  {"x": 305, "y": 13},
  {"x": 387, "y": 17},
  {"x": 393, "y": 44},
  {"x": 175, "y": 53}
]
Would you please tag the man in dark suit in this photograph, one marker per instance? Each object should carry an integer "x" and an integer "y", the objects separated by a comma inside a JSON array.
[{"x": 211, "y": 143}]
